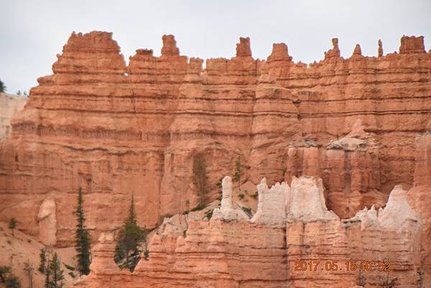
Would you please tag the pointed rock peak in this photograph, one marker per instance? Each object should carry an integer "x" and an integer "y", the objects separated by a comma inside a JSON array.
[
  {"x": 263, "y": 181},
  {"x": 279, "y": 53},
  {"x": 412, "y": 44},
  {"x": 357, "y": 51},
  {"x": 380, "y": 48},
  {"x": 335, "y": 51},
  {"x": 170, "y": 46},
  {"x": 243, "y": 47}
]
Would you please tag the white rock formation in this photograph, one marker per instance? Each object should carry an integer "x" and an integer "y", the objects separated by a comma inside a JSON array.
[
  {"x": 306, "y": 201},
  {"x": 367, "y": 217},
  {"x": 393, "y": 217},
  {"x": 173, "y": 226},
  {"x": 271, "y": 206},
  {"x": 397, "y": 210},
  {"x": 227, "y": 211},
  {"x": 9, "y": 105},
  {"x": 47, "y": 222}
]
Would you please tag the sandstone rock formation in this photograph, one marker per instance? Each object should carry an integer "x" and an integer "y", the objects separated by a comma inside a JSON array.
[
  {"x": 419, "y": 195},
  {"x": 47, "y": 218},
  {"x": 228, "y": 211},
  {"x": 115, "y": 129},
  {"x": 306, "y": 201},
  {"x": 272, "y": 203},
  {"x": 237, "y": 253},
  {"x": 9, "y": 105}
]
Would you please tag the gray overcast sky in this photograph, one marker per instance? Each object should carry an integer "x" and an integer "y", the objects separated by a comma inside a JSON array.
[{"x": 32, "y": 32}]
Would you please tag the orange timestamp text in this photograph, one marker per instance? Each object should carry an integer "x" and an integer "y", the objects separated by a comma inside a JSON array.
[{"x": 314, "y": 265}]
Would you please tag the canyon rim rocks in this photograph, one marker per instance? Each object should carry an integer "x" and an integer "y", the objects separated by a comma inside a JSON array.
[{"x": 341, "y": 133}]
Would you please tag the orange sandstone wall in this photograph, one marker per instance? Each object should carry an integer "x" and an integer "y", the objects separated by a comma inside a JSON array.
[{"x": 116, "y": 129}]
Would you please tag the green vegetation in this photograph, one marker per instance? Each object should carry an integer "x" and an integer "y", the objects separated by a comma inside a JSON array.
[
  {"x": 29, "y": 269},
  {"x": 82, "y": 238},
  {"x": 2, "y": 87},
  {"x": 42, "y": 264},
  {"x": 50, "y": 266},
  {"x": 241, "y": 196},
  {"x": 12, "y": 225},
  {"x": 209, "y": 214},
  {"x": 200, "y": 177},
  {"x": 54, "y": 274},
  {"x": 247, "y": 211},
  {"x": 219, "y": 183},
  {"x": 8, "y": 278},
  {"x": 238, "y": 170},
  {"x": 127, "y": 252},
  {"x": 199, "y": 207}
]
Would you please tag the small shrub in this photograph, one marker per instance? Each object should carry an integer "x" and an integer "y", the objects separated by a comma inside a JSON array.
[
  {"x": 241, "y": 196},
  {"x": 219, "y": 183},
  {"x": 12, "y": 225},
  {"x": 199, "y": 207},
  {"x": 69, "y": 267},
  {"x": 12, "y": 282},
  {"x": 6, "y": 277},
  {"x": 209, "y": 214},
  {"x": 420, "y": 279},
  {"x": 146, "y": 254},
  {"x": 255, "y": 195},
  {"x": 247, "y": 211}
]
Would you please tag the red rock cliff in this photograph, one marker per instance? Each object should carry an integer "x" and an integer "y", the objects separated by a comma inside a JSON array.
[{"x": 115, "y": 129}]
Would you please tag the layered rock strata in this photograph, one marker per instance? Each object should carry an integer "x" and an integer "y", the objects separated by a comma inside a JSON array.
[
  {"x": 237, "y": 253},
  {"x": 115, "y": 129}
]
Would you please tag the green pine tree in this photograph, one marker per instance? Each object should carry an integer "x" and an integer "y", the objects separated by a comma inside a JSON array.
[
  {"x": 42, "y": 264},
  {"x": 127, "y": 254},
  {"x": 82, "y": 237},
  {"x": 2, "y": 87},
  {"x": 55, "y": 274},
  {"x": 200, "y": 178},
  {"x": 47, "y": 270}
]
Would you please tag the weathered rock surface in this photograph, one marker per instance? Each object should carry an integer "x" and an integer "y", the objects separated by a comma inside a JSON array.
[
  {"x": 115, "y": 129},
  {"x": 9, "y": 105},
  {"x": 228, "y": 211},
  {"x": 272, "y": 203},
  {"x": 238, "y": 253},
  {"x": 306, "y": 201},
  {"x": 47, "y": 219}
]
